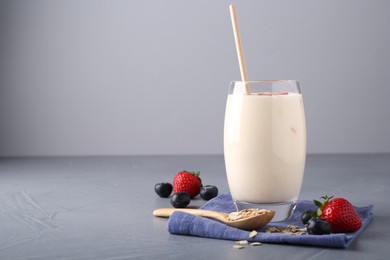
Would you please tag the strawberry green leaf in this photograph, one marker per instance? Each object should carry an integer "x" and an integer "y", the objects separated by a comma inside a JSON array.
[
  {"x": 326, "y": 199},
  {"x": 319, "y": 212},
  {"x": 196, "y": 174},
  {"x": 318, "y": 204}
]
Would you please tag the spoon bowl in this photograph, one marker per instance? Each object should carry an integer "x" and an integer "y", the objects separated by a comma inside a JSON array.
[{"x": 245, "y": 222}]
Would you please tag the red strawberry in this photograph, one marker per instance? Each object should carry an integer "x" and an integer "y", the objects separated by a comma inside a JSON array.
[
  {"x": 189, "y": 182},
  {"x": 340, "y": 214}
]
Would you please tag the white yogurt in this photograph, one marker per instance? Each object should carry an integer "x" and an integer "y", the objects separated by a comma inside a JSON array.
[{"x": 265, "y": 147}]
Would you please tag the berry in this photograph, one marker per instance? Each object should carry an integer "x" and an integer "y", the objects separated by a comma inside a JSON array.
[
  {"x": 340, "y": 214},
  {"x": 163, "y": 189},
  {"x": 208, "y": 192},
  {"x": 180, "y": 200},
  {"x": 317, "y": 226},
  {"x": 306, "y": 216},
  {"x": 189, "y": 182}
]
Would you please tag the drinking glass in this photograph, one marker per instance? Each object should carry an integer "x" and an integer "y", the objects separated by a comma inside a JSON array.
[{"x": 265, "y": 145}]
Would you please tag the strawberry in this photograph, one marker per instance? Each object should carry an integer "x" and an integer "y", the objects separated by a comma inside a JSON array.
[
  {"x": 189, "y": 182},
  {"x": 340, "y": 214}
]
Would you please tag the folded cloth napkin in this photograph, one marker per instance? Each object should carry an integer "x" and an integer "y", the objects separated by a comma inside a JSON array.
[{"x": 187, "y": 224}]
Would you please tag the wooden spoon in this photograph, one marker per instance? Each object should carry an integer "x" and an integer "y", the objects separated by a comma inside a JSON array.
[{"x": 235, "y": 219}]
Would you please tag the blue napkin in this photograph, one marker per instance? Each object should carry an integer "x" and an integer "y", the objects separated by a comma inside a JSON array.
[{"x": 186, "y": 224}]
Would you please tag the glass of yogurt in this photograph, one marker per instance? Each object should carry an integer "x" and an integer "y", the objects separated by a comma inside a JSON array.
[{"x": 265, "y": 145}]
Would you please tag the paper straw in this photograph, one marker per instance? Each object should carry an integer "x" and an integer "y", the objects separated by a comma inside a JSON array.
[{"x": 240, "y": 51}]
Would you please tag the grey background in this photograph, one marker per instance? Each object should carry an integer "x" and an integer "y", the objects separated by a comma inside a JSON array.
[{"x": 151, "y": 77}]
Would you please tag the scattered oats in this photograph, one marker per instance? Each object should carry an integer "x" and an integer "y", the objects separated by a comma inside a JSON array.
[
  {"x": 294, "y": 228},
  {"x": 253, "y": 234},
  {"x": 242, "y": 242},
  {"x": 290, "y": 230},
  {"x": 274, "y": 230}
]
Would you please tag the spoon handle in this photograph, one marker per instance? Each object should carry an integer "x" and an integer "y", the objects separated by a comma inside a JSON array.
[{"x": 167, "y": 212}]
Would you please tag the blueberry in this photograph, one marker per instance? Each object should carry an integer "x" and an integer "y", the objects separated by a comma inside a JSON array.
[
  {"x": 317, "y": 226},
  {"x": 208, "y": 192},
  {"x": 163, "y": 189},
  {"x": 180, "y": 200},
  {"x": 306, "y": 216},
  {"x": 326, "y": 228}
]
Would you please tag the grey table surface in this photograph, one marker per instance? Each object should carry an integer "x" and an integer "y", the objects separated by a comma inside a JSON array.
[{"x": 101, "y": 207}]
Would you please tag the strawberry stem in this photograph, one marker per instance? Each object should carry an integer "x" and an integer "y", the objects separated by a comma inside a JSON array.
[{"x": 320, "y": 205}]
